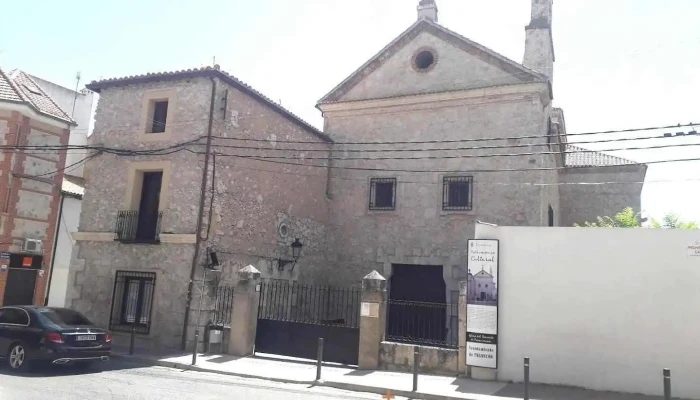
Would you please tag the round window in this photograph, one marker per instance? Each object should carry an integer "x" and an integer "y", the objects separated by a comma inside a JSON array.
[{"x": 424, "y": 60}]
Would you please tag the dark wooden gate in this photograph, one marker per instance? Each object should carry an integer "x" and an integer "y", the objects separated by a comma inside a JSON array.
[{"x": 292, "y": 317}]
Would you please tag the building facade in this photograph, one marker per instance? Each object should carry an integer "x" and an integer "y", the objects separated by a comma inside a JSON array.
[
  {"x": 31, "y": 177},
  {"x": 428, "y": 137}
]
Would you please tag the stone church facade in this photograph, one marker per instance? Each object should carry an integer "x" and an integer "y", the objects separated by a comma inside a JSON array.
[{"x": 428, "y": 137}]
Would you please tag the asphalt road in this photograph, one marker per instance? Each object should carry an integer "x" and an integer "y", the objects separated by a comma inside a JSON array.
[{"x": 119, "y": 380}]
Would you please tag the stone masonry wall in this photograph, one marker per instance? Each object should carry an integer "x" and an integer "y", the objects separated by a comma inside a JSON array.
[
  {"x": 419, "y": 231},
  {"x": 582, "y": 203}
]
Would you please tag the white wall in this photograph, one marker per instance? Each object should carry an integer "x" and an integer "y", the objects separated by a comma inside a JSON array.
[
  {"x": 599, "y": 308},
  {"x": 82, "y": 115},
  {"x": 64, "y": 246}
]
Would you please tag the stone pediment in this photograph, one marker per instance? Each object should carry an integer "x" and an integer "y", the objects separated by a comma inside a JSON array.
[{"x": 428, "y": 58}]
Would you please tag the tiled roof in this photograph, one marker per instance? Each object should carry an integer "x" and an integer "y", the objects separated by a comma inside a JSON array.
[
  {"x": 33, "y": 94},
  {"x": 7, "y": 89},
  {"x": 580, "y": 157},
  {"x": 18, "y": 87},
  {"x": 97, "y": 86}
]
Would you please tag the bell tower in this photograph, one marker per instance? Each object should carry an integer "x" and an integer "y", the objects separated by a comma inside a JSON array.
[
  {"x": 539, "y": 44},
  {"x": 428, "y": 9}
]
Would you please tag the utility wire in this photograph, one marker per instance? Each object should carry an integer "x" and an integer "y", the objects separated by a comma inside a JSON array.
[{"x": 467, "y": 140}]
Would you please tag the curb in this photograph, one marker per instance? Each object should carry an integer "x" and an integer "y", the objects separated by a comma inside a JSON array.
[{"x": 353, "y": 387}]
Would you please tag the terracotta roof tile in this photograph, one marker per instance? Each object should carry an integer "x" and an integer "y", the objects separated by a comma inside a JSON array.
[
  {"x": 7, "y": 89},
  {"x": 33, "y": 94},
  {"x": 590, "y": 158}
]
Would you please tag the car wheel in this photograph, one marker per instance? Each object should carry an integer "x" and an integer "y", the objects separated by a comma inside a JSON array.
[{"x": 17, "y": 357}]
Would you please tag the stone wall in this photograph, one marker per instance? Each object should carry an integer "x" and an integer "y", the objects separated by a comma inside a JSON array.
[
  {"x": 581, "y": 203},
  {"x": 433, "y": 360},
  {"x": 419, "y": 231}
]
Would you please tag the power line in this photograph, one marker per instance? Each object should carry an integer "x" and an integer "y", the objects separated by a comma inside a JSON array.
[
  {"x": 586, "y": 151},
  {"x": 469, "y": 140},
  {"x": 453, "y": 171}
]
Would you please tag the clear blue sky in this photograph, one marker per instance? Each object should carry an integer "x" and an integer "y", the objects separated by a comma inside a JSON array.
[{"x": 620, "y": 63}]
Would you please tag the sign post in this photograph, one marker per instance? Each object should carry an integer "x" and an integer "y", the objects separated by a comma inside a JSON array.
[{"x": 482, "y": 303}]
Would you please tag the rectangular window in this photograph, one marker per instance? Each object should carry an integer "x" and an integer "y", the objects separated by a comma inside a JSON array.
[
  {"x": 159, "y": 117},
  {"x": 382, "y": 194},
  {"x": 132, "y": 301},
  {"x": 550, "y": 216},
  {"x": 457, "y": 193}
]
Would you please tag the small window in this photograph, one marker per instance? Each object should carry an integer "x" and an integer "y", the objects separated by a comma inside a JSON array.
[
  {"x": 382, "y": 194},
  {"x": 159, "y": 116},
  {"x": 550, "y": 216},
  {"x": 480, "y": 285},
  {"x": 132, "y": 301},
  {"x": 424, "y": 60},
  {"x": 457, "y": 193},
  {"x": 487, "y": 285}
]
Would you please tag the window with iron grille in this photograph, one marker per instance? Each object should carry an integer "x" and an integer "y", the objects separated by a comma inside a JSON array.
[
  {"x": 132, "y": 301},
  {"x": 457, "y": 193},
  {"x": 382, "y": 194}
]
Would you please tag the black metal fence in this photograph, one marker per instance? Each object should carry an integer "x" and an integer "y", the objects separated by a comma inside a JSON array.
[
  {"x": 132, "y": 301},
  {"x": 223, "y": 306},
  {"x": 320, "y": 305},
  {"x": 133, "y": 227},
  {"x": 422, "y": 323}
]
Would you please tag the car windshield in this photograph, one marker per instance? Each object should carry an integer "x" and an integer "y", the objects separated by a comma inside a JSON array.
[{"x": 64, "y": 317}]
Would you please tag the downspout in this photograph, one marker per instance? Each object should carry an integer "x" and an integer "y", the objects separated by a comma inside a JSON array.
[
  {"x": 200, "y": 217},
  {"x": 53, "y": 251}
]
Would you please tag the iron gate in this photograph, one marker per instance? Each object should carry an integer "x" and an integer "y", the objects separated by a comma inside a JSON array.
[{"x": 292, "y": 317}]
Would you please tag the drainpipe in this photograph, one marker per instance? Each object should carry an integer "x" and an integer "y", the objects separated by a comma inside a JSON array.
[
  {"x": 53, "y": 251},
  {"x": 200, "y": 217}
]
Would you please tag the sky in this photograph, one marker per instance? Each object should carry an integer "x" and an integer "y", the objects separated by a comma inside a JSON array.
[{"x": 619, "y": 63}]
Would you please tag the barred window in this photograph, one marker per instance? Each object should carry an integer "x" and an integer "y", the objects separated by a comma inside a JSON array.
[
  {"x": 457, "y": 193},
  {"x": 132, "y": 301},
  {"x": 382, "y": 194}
]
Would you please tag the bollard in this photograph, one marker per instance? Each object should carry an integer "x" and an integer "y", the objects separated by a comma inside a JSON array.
[
  {"x": 526, "y": 366},
  {"x": 132, "y": 340},
  {"x": 196, "y": 344},
  {"x": 416, "y": 362},
  {"x": 319, "y": 359},
  {"x": 667, "y": 384}
]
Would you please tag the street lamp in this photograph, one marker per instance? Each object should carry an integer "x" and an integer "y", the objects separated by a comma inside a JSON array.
[{"x": 296, "y": 252}]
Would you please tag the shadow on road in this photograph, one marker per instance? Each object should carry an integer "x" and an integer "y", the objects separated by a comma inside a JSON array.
[{"x": 48, "y": 370}]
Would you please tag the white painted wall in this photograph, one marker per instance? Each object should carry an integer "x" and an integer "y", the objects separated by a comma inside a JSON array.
[
  {"x": 599, "y": 308},
  {"x": 64, "y": 246},
  {"x": 82, "y": 115}
]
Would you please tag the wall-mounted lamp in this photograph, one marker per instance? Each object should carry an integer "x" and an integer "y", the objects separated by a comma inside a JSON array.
[{"x": 296, "y": 252}]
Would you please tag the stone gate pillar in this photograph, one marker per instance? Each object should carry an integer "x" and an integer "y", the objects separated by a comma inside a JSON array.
[
  {"x": 244, "y": 313},
  {"x": 372, "y": 319},
  {"x": 462, "y": 337}
]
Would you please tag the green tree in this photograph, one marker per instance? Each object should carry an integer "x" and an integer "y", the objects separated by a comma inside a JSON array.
[
  {"x": 628, "y": 218},
  {"x": 673, "y": 221}
]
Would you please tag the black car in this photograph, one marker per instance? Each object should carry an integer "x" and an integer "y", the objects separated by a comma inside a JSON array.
[{"x": 30, "y": 335}]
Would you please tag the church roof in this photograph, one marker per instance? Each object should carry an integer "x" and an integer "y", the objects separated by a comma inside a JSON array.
[
  {"x": 483, "y": 273},
  {"x": 589, "y": 158},
  {"x": 18, "y": 87},
  {"x": 523, "y": 73},
  {"x": 97, "y": 86}
]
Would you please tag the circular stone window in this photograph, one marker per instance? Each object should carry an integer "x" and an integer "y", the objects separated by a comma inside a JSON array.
[
  {"x": 424, "y": 60},
  {"x": 283, "y": 230}
]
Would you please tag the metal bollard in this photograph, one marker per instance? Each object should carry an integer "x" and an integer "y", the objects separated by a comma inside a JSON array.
[
  {"x": 319, "y": 359},
  {"x": 526, "y": 366},
  {"x": 416, "y": 362},
  {"x": 132, "y": 340},
  {"x": 196, "y": 344},
  {"x": 667, "y": 384}
]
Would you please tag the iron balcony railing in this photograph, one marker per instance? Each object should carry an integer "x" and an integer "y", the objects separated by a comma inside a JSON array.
[{"x": 135, "y": 227}]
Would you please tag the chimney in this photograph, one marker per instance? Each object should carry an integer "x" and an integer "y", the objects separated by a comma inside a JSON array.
[
  {"x": 539, "y": 45},
  {"x": 428, "y": 9}
]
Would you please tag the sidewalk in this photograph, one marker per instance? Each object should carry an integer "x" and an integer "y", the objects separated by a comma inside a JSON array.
[{"x": 430, "y": 387}]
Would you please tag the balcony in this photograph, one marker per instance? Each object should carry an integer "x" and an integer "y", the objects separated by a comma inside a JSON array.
[{"x": 136, "y": 227}]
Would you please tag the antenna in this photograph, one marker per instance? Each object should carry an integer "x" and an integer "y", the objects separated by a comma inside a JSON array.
[{"x": 75, "y": 98}]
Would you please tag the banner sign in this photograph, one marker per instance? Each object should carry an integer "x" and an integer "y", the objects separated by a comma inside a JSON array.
[{"x": 482, "y": 303}]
